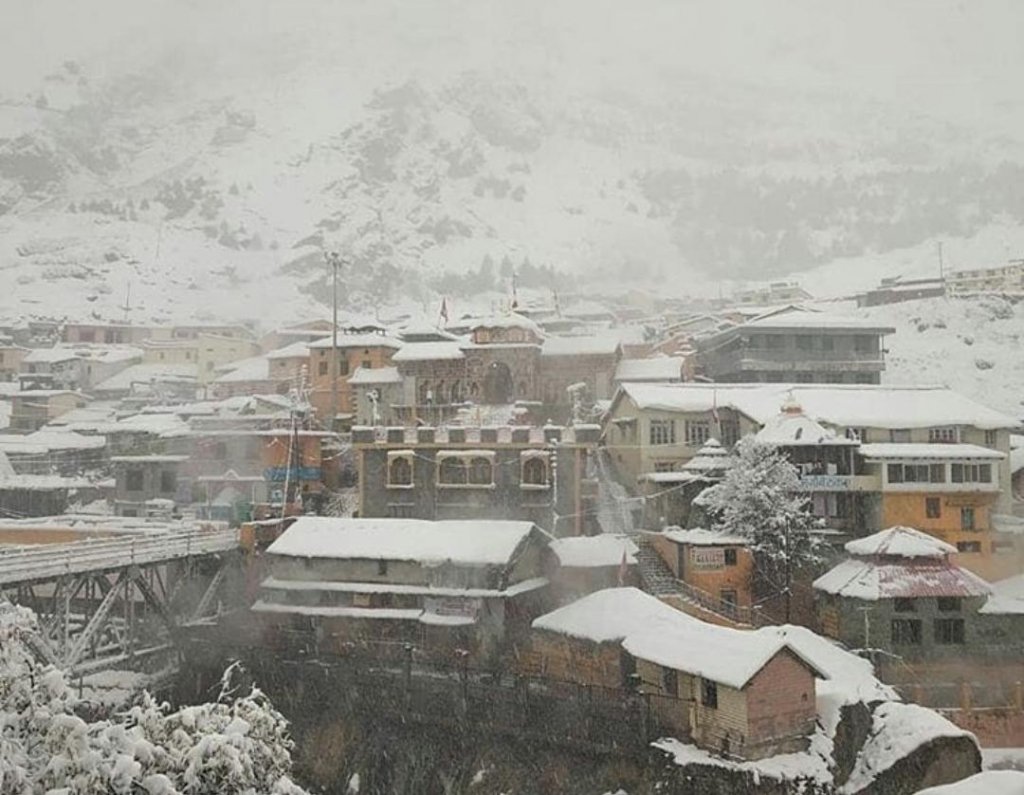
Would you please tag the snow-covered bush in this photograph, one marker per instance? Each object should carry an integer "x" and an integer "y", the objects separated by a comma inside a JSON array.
[{"x": 234, "y": 745}]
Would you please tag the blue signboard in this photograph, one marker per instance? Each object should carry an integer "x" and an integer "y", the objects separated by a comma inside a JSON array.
[{"x": 280, "y": 474}]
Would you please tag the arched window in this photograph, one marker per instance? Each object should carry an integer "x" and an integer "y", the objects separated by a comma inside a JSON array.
[
  {"x": 535, "y": 471},
  {"x": 474, "y": 390},
  {"x": 452, "y": 471},
  {"x": 424, "y": 391},
  {"x": 480, "y": 472},
  {"x": 400, "y": 471},
  {"x": 456, "y": 391}
]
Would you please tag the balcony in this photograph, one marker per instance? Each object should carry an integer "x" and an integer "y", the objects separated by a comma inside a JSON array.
[{"x": 790, "y": 360}]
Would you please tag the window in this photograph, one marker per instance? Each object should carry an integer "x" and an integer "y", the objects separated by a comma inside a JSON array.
[
  {"x": 991, "y": 438},
  {"x": 481, "y": 472},
  {"x": 452, "y": 472},
  {"x": 857, "y": 434},
  {"x": 916, "y": 473},
  {"x": 864, "y": 343},
  {"x": 663, "y": 431},
  {"x": 967, "y": 518},
  {"x": 342, "y": 365},
  {"x": 901, "y": 435},
  {"x": 670, "y": 681},
  {"x": 709, "y": 693},
  {"x": 382, "y": 567},
  {"x": 933, "y": 507},
  {"x": 947, "y": 434},
  {"x": 949, "y": 604},
  {"x": 535, "y": 471},
  {"x": 133, "y": 480},
  {"x": 400, "y": 471},
  {"x": 728, "y": 601},
  {"x": 730, "y": 557},
  {"x": 804, "y": 343},
  {"x": 664, "y": 466},
  {"x": 971, "y": 473},
  {"x": 968, "y": 546},
  {"x": 906, "y": 632},
  {"x": 697, "y": 432},
  {"x": 168, "y": 481},
  {"x": 904, "y": 605},
  {"x": 321, "y": 368},
  {"x": 949, "y": 631},
  {"x": 730, "y": 430},
  {"x": 828, "y": 344}
]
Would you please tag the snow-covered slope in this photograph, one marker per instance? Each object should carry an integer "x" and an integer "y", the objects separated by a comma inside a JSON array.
[{"x": 198, "y": 144}]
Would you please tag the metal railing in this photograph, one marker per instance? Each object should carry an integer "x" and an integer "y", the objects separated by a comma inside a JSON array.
[{"x": 49, "y": 561}]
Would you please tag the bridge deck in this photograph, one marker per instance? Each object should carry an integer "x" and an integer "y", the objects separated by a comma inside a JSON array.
[{"x": 50, "y": 561}]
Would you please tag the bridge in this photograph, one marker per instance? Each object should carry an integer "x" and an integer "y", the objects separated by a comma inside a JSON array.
[{"x": 121, "y": 602}]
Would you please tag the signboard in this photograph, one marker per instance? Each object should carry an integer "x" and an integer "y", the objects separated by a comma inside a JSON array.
[
  {"x": 707, "y": 557},
  {"x": 825, "y": 483},
  {"x": 280, "y": 474},
  {"x": 452, "y": 606}
]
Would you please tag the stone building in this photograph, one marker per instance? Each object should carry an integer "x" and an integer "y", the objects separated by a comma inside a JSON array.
[
  {"x": 518, "y": 472},
  {"x": 805, "y": 347},
  {"x": 145, "y": 482},
  {"x": 441, "y": 586},
  {"x": 743, "y": 693}
]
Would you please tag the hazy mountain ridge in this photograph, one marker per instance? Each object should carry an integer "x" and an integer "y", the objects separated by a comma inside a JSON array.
[{"x": 697, "y": 179}]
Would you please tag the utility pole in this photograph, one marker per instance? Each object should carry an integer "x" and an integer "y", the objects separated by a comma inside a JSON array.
[
  {"x": 942, "y": 268},
  {"x": 334, "y": 261}
]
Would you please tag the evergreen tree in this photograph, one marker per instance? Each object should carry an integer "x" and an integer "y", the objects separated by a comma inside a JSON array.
[{"x": 760, "y": 499}]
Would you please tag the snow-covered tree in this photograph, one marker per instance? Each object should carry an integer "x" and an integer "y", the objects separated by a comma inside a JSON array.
[
  {"x": 760, "y": 499},
  {"x": 234, "y": 745}
]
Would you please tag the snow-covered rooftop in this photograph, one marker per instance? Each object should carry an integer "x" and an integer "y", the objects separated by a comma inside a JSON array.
[
  {"x": 1007, "y": 597},
  {"x": 255, "y": 368},
  {"x": 466, "y": 542},
  {"x": 298, "y": 349},
  {"x": 870, "y": 580},
  {"x": 988, "y": 782},
  {"x": 900, "y": 450},
  {"x": 842, "y": 405},
  {"x": 792, "y": 428},
  {"x": 505, "y": 321},
  {"x": 698, "y": 536},
  {"x": 378, "y": 375},
  {"x": 815, "y": 320},
  {"x": 659, "y": 368},
  {"x": 608, "y": 616},
  {"x": 903, "y": 542},
  {"x": 145, "y": 374},
  {"x": 590, "y": 345},
  {"x": 711, "y": 460},
  {"x": 598, "y": 551},
  {"x": 428, "y": 351},
  {"x": 359, "y": 340}
]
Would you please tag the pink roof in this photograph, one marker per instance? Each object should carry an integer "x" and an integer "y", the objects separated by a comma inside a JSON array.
[{"x": 906, "y": 579}]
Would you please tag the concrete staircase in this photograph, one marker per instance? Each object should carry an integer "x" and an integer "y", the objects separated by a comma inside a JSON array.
[{"x": 658, "y": 580}]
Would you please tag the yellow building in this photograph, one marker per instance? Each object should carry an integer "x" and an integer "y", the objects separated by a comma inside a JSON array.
[{"x": 367, "y": 350}]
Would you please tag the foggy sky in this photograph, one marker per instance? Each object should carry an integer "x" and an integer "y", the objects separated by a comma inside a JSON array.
[{"x": 961, "y": 60}]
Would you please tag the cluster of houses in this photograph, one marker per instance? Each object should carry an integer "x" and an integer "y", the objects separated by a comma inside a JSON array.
[{"x": 523, "y": 487}]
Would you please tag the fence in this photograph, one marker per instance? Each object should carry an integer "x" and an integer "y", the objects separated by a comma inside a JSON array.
[{"x": 48, "y": 561}]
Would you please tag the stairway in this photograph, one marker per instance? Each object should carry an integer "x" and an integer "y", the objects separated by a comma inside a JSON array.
[
  {"x": 657, "y": 579},
  {"x": 655, "y": 576}
]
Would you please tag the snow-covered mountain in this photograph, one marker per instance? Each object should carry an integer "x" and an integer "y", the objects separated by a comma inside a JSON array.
[{"x": 195, "y": 161}]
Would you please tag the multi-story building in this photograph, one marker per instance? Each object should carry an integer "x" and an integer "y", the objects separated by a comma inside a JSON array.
[
  {"x": 533, "y": 474},
  {"x": 869, "y": 456},
  {"x": 11, "y": 357},
  {"x": 367, "y": 349},
  {"x": 795, "y": 346},
  {"x": 31, "y": 409},
  {"x": 1003, "y": 280}
]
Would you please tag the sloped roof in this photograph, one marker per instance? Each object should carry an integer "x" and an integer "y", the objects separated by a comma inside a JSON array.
[
  {"x": 375, "y": 375},
  {"x": 1007, "y": 597},
  {"x": 920, "y": 577},
  {"x": 658, "y": 368},
  {"x": 844, "y": 405},
  {"x": 589, "y": 345},
  {"x": 904, "y": 542},
  {"x": 792, "y": 428},
  {"x": 428, "y": 351},
  {"x": 600, "y": 551},
  {"x": 467, "y": 542}
]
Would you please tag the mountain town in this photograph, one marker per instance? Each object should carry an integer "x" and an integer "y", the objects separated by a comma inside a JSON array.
[{"x": 713, "y": 531}]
